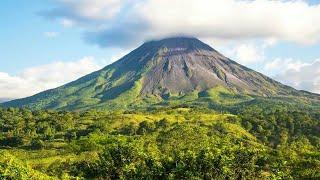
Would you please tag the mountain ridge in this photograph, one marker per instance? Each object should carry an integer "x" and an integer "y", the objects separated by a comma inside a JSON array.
[{"x": 181, "y": 69}]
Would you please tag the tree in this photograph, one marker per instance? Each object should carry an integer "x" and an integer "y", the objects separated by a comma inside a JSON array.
[
  {"x": 145, "y": 127},
  {"x": 12, "y": 141},
  {"x": 247, "y": 125},
  {"x": 163, "y": 123},
  {"x": 70, "y": 135},
  {"x": 129, "y": 129},
  {"x": 36, "y": 144},
  {"x": 259, "y": 128}
]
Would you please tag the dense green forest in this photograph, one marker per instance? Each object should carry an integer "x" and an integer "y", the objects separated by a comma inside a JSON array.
[{"x": 256, "y": 142}]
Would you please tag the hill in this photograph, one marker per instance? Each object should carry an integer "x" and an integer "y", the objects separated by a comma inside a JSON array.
[{"x": 173, "y": 143}]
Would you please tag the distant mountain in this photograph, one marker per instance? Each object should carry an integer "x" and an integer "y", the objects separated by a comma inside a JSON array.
[
  {"x": 4, "y": 100},
  {"x": 177, "y": 70}
]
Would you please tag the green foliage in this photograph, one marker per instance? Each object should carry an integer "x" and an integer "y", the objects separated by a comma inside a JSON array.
[
  {"x": 167, "y": 143},
  {"x": 145, "y": 127},
  {"x": 14, "y": 141},
  {"x": 37, "y": 144},
  {"x": 279, "y": 127},
  {"x": 12, "y": 168}
]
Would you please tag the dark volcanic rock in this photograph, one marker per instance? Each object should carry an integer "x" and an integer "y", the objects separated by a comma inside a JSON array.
[{"x": 187, "y": 64}]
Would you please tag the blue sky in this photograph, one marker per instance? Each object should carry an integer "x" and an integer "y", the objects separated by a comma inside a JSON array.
[
  {"x": 40, "y": 35},
  {"x": 23, "y": 43}
]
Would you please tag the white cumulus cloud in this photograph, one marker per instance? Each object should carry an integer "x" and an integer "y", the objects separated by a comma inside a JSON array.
[
  {"x": 303, "y": 76},
  {"x": 67, "y": 22},
  {"x": 36, "y": 79},
  {"x": 281, "y": 65},
  {"x": 122, "y": 23},
  {"x": 51, "y": 34},
  {"x": 248, "y": 53}
]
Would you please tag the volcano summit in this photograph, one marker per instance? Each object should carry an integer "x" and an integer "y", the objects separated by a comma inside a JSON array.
[{"x": 178, "y": 70}]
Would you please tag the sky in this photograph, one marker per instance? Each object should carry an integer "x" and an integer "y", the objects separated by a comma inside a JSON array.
[{"x": 47, "y": 43}]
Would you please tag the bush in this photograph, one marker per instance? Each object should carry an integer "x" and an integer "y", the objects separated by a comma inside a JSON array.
[
  {"x": 129, "y": 129},
  {"x": 145, "y": 127},
  {"x": 12, "y": 141},
  {"x": 163, "y": 123},
  {"x": 70, "y": 135},
  {"x": 36, "y": 144}
]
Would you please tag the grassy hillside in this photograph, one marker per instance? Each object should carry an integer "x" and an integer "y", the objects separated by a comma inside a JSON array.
[{"x": 257, "y": 142}]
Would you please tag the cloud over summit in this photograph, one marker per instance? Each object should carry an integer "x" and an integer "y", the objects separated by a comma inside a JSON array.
[{"x": 122, "y": 23}]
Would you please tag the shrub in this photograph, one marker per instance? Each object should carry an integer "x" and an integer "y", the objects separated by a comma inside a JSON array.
[
  {"x": 12, "y": 141},
  {"x": 36, "y": 144},
  {"x": 145, "y": 127}
]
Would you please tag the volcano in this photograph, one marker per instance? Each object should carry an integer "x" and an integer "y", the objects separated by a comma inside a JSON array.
[{"x": 180, "y": 70}]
